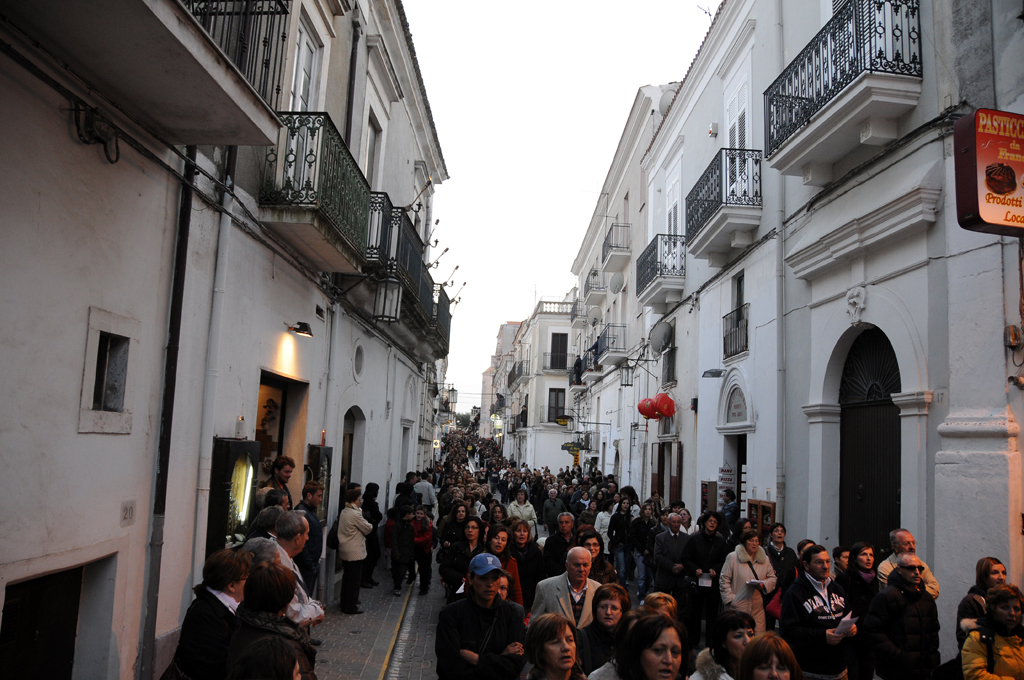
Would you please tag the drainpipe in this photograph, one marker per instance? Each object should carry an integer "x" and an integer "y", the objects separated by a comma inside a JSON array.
[
  {"x": 780, "y": 309},
  {"x": 353, "y": 58},
  {"x": 206, "y": 427},
  {"x": 330, "y": 425},
  {"x": 156, "y": 540}
]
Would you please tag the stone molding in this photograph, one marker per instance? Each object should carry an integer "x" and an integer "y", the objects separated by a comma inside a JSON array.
[
  {"x": 912, "y": 404},
  {"x": 822, "y": 413}
]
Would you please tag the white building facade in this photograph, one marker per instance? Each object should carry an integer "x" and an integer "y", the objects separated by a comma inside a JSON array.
[{"x": 218, "y": 236}]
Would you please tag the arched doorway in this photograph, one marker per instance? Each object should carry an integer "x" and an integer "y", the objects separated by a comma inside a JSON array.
[{"x": 869, "y": 443}]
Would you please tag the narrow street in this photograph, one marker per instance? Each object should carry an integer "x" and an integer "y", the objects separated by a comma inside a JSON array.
[{"x": 393, "y": 640}]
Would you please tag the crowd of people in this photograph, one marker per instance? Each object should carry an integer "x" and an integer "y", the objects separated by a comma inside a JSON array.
[{"x": 579, "y": 578}]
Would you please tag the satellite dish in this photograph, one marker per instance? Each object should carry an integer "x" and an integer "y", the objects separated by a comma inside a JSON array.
[
  {"x": 594, "y": 314},
  {"x": 617, "y": 283},
  {"x": 660, "y": 338},
  {"x": 666, "y": 101}
]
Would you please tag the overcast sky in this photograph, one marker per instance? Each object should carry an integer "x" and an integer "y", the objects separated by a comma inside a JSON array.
[{"x": 529, "y": 103}]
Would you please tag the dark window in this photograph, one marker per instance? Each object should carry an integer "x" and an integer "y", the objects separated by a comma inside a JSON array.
[
  {"x": 559, "y": 351},
  {"x": 556, "y": 404},
  {"x": 111, "y": 373},
  {"x": 668, "y": 366}
]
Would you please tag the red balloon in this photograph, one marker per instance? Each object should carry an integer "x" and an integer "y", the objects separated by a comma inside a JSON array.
[
  {"x": 664, "y": 405},
  {"x": 646, "y": 408}
]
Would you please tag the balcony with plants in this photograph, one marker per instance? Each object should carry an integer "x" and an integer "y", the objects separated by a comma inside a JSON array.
[
  {"x": 313, "y": 194},
  {"x": 661, "y": 272},
  {"x": 723, "y": 209},
  {"x": 847, "y": 87}
]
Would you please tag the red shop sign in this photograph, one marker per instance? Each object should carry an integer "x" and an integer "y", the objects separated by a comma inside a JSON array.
[{"x": 989, "y": 162}]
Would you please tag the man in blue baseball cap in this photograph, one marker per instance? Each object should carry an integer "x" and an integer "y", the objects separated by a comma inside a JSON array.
[{"x": 480, "y": 636}]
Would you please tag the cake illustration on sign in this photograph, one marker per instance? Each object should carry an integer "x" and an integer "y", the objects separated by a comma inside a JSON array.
[{"x": 1000, "y": 178}]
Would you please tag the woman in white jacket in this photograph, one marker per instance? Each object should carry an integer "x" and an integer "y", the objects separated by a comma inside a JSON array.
[
  {"x": 523, "y": 509},
  {"x": 747, "y": 563},
  {"x": 604, "y": 518}
]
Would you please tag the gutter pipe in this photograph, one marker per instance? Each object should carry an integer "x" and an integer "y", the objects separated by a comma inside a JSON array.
[{"x": 156, "y": 541}]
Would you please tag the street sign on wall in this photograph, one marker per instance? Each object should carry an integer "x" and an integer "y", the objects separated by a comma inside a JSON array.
[{"x": 989, "y": 162}]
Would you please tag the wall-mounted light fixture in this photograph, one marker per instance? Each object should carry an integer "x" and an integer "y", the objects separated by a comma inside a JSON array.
[
  {"x": 387, "y": 304},
  {"x": 626, "y": 375},
  {"x": 301, "y": 328},
  {"x": 713, "y": 373}
]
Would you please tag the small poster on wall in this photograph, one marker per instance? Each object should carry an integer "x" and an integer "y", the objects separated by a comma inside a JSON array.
[{"x": 726, "y": 480}]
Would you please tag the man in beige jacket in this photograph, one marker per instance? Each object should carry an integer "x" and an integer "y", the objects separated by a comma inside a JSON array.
[{"x": 352, "y": 531}]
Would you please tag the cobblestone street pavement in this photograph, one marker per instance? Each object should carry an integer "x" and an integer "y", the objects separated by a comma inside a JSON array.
[{"x": 359, "y": 647}]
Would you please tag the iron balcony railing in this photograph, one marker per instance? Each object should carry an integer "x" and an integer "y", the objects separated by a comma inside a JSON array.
[
  {"x": 311, "y": 167},
  {"x": 381, "y": 239},
  {"x": 594, "y": 282},
  {"x": 732, "y": 178},
  {"x": 555, "y": 411},
  {"x": 665, "y": 255},
  {"x": 442, "y": 315},
  {"x": 881, "y": 36},
  {"x": 668, "y": 366},
  {"x": 252, "y": 33},
  {"x": 574, "y": 311},
  {"x": 612, "y": 337},
  {"x": 558, "y": 361},
  {"x": 734, "y": 331},
  {"x": 519, "y": 369},
  {"x": 617, "y": 239}
]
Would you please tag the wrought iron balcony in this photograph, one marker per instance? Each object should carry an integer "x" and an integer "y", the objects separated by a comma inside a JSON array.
[
  {"x": 611, "y": 343},
  {"x": 519, "y": 369},
  {"x": 734, "y": 331},
  {"x": 252, "y": 34},
  {"x": 864, "y": 37},
  {"x": 594, "y": 288},
  {"x": 661, "y": 269},
  {"x": 577, "y": 315},
  {"x": 313, "y": 193},
  {"x": 615, "y": 251},
  {"x": 731, "y": 180},
  {"x": 442, "y": 316},
  {"x": 558, "y": 361}
]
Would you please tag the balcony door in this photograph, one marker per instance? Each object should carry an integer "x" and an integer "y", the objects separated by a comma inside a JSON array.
[
  {"x": 736, "y": 114},
  {"x": 304, "y": 96},
  {"x": 559, "y": 351}
]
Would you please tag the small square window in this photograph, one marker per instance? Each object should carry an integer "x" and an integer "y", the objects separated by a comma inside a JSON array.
[
  {"x": 106, "y": 405},
  {"x": 111, "y": 373}
]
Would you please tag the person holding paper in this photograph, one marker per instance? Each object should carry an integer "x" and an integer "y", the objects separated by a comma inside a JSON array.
[
  {"x": 746, "y": 577},
  {"x": 816, "y": 619},
  {"x": 703, "y": 557}
]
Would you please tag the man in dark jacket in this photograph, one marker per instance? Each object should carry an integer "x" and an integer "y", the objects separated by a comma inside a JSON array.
[
  {"x": 308, "y": 561},
  {"x": 557, "y": 545},
  {"x": 704, "y": 556},
  {"x": 668, "y": 557},
  {"x": 481, "y": 636},
  {"x": 553, "y": 507},
  {"x": 639, "y": 530},
  {"x": 811, "y": 610},
  {"x": 904, "y": 624}
]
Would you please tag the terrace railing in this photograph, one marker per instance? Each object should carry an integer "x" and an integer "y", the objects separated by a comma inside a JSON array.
[
  {"x": 665, "y": 255},
  {"x": 732, "y": 178}
]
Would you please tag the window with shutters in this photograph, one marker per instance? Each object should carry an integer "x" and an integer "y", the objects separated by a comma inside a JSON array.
[
  {"x": 736, "y": 115},
  {"x": 673, "y": 208}
]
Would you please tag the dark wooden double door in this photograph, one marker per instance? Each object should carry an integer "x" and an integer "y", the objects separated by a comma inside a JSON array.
[{"x": 870, "y": 452}]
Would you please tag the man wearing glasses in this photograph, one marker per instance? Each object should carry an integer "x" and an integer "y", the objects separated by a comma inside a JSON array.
[
  {"x": 904, "y": 624},
  {"x": 902, "y": 541}
]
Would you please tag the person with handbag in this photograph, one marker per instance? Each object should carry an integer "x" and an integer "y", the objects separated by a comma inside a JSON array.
[
  {"x": 746, "y": 576},
  {"x": 811, "y": 613}
]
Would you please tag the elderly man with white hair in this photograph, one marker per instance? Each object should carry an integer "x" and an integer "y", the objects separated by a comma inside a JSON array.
[
  {"x": 570, "y": 594},
  {"x": 902, "y": 541}
]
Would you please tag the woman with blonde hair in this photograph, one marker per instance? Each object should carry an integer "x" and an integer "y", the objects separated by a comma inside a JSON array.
[{"x": 746, "y": 577}]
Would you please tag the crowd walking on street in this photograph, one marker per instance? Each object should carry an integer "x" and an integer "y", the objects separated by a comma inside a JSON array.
[{"x": 534, "y": 584}]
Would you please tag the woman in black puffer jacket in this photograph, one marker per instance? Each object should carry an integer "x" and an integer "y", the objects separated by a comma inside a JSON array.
[{"x": 860, "y": 582}]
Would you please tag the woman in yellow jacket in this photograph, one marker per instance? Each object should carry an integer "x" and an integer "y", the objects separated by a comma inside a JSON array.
[{"x": 999, "y": 632}]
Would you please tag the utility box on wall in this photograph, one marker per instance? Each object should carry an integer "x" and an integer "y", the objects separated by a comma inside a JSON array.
[{"x": 232, "y": 489}]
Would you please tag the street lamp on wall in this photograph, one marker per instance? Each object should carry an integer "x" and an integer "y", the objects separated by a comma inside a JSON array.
[
  {"x": 387, "y": 304},
  {"x": 626, "y": 375}
]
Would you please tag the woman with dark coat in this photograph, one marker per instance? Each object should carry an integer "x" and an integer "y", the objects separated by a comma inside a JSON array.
[
  {"x": 860, "y": 582},
  {"x": 210, "y": 623},
  {"x": 529, "y": 560},
  {"x": 601, "y": 570},
  {"x": 618, "y": 535},
  {"x": 451, "y": 527},
  {"x": 455, "y": 565},
  {"x": 268, "y": 591},
  {"x": 373, "y": 515},
  {"x": 596, "y": 643},
  {"x": 783, "y": 560}
]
